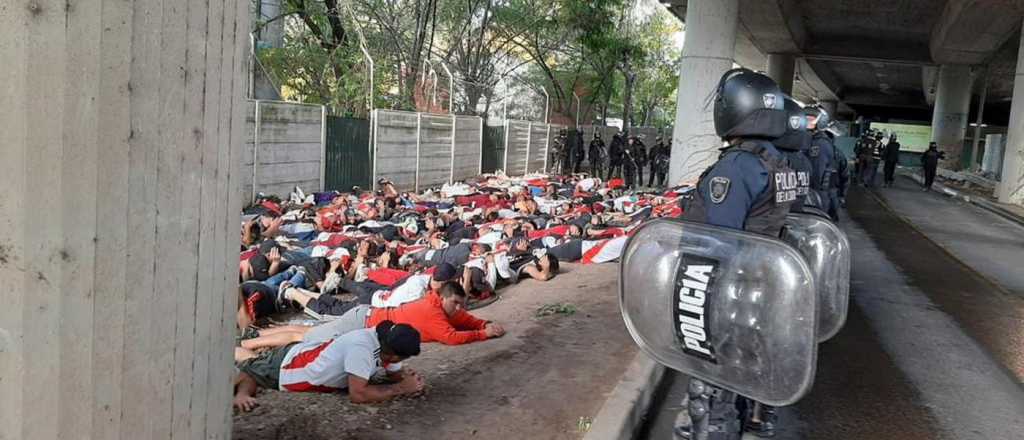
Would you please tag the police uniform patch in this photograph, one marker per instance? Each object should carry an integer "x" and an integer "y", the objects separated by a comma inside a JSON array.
[
  {"x": 815, "y": 150},
  {"x": 769, "y": 100},
  {"x": 719, "y": 189},
  {"x": 794, "y": 122}
]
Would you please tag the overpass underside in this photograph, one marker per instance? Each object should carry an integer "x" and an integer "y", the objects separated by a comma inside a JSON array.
[{"x": 952, "y": 63}]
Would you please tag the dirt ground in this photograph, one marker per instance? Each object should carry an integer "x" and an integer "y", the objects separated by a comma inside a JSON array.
[{"x": 545, "y": 379}]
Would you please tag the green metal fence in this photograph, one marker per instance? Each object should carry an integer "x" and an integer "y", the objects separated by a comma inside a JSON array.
[
  {"x": 493, "y": 148},
  {"x": 349, "y": 158}
]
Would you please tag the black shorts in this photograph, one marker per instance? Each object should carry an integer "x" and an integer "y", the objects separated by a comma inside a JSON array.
[{"x": 265, "y": 368}]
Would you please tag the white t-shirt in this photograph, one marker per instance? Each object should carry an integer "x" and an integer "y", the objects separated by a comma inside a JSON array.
[
  {"x": 412, "y": 289},
  {"x": 325, "y": 366}
]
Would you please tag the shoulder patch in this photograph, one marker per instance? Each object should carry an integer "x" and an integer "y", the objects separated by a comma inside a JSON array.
[
  {"x": 719, "y": 188},
  {"x": 815, "y": 150},
  {"x": 794, "y": 123}
]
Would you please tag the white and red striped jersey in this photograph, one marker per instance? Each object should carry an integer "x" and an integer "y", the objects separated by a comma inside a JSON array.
[{"x": 324, "y": 366}]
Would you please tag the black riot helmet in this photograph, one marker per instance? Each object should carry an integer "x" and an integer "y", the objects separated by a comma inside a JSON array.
[
  {"x": 748, "y": 104},
  {"x": 823, "y": 120},
  {"x": 796, "y": 136}
]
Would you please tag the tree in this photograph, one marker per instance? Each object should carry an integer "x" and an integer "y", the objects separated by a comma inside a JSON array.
[{"x": 656, "y": 86}]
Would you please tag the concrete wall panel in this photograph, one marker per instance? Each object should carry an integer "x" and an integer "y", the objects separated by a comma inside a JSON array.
[
  {"x": 538, "y": 147},
  {"x": 289, "y": 133},
  {"x": 395, "y": 148},
  {"x": 119, "y": 225},
  {"x": 517, "y": 147},
  {"x": 468, "y": 147},
  {"x": 435, "y": 150}
]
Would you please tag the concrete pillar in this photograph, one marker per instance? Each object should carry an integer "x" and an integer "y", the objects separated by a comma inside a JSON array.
[
  {"x": 780, "y": 68},
  {"x": 975, "y": 158},
  {"x": 119, "y": 219},
  {"x": 1011, "y": 183},
  {"x": 707, "y": 53},
  {"x": 949, "y": 119},
  {"x": 992, "y": 160}
]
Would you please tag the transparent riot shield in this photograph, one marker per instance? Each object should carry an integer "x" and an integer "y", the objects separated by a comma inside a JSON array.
[
  {"x": 729, "y": 307},
  {"x": 827, "y": 251},
  {"x": 814, "y": 200},
  {"x": 815, "y": 211}
]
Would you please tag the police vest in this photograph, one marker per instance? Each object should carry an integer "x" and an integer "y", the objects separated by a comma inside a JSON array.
[
  {"x": 829, "y": 179},
  {"x": 768, "y": 212},
  {"x": 800, "y": 164}
]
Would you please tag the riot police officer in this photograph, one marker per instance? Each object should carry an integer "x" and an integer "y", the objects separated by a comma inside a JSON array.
[
  {"x": 822, "y": 155},
  {"x": 641, "y": 157},
  {"x": 559, "y": 151},
  {"x": 793, "y": 144},
  {"x": 596, "y": 155},
  {"x": 840, "y": 179},
  {"x": 630, "y": 161},
  {"x": 659, "y": 158},
  {"x": 615, "y": 151},
  {"x": 750, "y": 187},
  {"x": 565, "y": 153},
  {"x": 578, "y": 150}
]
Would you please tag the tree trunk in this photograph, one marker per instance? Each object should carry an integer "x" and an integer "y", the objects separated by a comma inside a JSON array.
[
  {"x": 604, "y": 107},
  {"x": 627, "y": 94}
]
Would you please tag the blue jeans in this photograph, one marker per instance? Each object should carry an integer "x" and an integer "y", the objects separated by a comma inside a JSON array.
[{"x": 293, "y": 276}]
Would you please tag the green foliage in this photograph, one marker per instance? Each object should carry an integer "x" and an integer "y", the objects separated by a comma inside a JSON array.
[
  {"x": 556, "y": 309},
  {"x": 600, "y": 50}
]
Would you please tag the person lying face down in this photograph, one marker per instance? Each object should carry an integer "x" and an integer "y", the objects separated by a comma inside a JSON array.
[
  {"x": 439, "y": 317},
  {"x": 345, "y": 363}
]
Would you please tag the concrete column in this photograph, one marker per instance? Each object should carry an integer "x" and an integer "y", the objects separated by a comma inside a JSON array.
[
  {"x": 1011, "y": 183},
  {"x": 992, "y": 160},
  {"x": 975, "y": 158},
  {"x": 707, "y": 53},
  {"x": 119, "y": 219},
  {"x": 780, "y": 68},
  {"x": 949, "y": 119}
]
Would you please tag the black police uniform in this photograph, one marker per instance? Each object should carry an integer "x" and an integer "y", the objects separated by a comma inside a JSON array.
[
  {"x": 567, "y": 153},
  {"x": 629, "y": 164},
  {"x": 821, "y": 153},
  {"x": 792, "y": 145},
  {"x": 615, "y": 151},
  {"x": 659, "y": 158},
  {"x": 640, "y": 154},
  {"x": 930, "y": 163},
  {"x": 892, "y": 157},
  {"x": 751, "y": 187},
  {"x": 596, "y": 156},
  {"x": 578, "y": 151}
]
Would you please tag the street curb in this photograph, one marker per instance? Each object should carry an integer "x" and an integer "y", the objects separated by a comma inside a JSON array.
[
  {"x": 976, "y": 201},
  {"x": 623, "y": 413}
]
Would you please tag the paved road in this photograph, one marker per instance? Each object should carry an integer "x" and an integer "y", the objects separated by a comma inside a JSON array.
[{"x": 933, "y": 345}]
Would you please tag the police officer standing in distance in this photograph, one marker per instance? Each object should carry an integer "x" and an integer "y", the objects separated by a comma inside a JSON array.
[
  {"x": 640, "y": 156},
  {"x": 891, "y": 157},
  {"x": 596, "y": 155},
  {"x": 579, "y": 150},
  {"x": 659, "y": 158},
  {"x": 615, "y": 151},
  {"x": 751, "y": 187},
  {"x": 630, "y": 162}
]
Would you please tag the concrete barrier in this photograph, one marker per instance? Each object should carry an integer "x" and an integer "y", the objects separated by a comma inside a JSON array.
[{"x": 623, "y": 413}]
